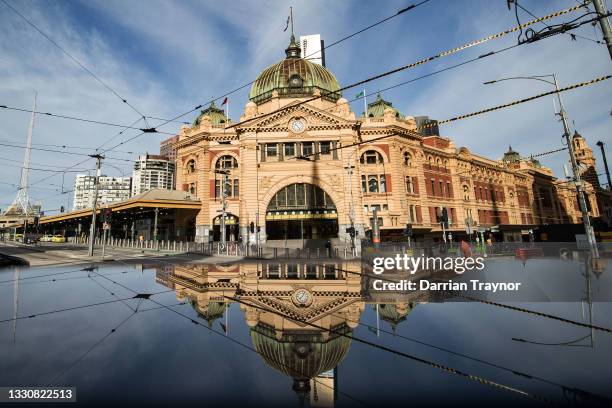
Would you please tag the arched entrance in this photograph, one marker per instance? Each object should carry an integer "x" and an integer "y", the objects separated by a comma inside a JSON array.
[
  {"x": 231, "y": 227},
  {"x": 301, "y": 211}
]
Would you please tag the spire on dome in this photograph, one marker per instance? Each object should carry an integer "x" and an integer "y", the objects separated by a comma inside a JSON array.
[{"x": 293, "y": 50}]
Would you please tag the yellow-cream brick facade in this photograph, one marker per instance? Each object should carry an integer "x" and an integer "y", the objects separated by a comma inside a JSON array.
[{"x": 378, "y": 160}]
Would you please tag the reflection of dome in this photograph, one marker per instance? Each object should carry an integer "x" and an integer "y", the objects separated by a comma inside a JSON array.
[
  {"x": 300, "y": 355},
  {"x": 210, "y": 311},
  {"x": 394, "y": 313},
  {"x": 294, "y": 77},
  {"x": 377, "y": 108},
  {"x": 216, "y": 115}
]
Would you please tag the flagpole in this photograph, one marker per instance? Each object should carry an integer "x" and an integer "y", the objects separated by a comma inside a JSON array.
[{"x": 365, "y": 104}]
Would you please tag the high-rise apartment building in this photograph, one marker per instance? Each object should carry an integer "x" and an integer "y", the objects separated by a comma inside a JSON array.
[
  {"x": 110, "y": 189},
  {"x": 152, "y": 171}
]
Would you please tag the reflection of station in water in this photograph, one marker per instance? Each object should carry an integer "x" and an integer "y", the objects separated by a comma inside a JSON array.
[{"x": 300, "y": 314}]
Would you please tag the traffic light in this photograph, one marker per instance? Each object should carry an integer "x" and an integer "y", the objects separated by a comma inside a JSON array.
[
  {"x": 445, "y": 217},
  {"x": 62, "y": 209},
  {"x": 227, "y": 187},
  {"x": 408, "y": 230},
  {"x": 351, "y": 231},
  {"x": 107, "y": 215},
  {"x": 36, "y": 221},
  {"x": 252, "y": 227}
]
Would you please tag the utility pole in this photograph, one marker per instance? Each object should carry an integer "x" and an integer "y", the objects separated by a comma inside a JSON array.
[
  {"x": 349, "y": 170},
  {"x": 603, "y": 154},
  {"x": 588, "y": 229},
  {"x": 92, "y": 230},
  {"x": 600, "y": 8},
  {"x": 224, "y": 194},
  {"x": 155, "y": 228}
]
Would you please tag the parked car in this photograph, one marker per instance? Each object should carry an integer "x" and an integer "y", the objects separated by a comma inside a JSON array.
[
  {"x": 31, "y": 238},
  {"x": 46, "y": 238},
  {"x": 58, "y": 238}
]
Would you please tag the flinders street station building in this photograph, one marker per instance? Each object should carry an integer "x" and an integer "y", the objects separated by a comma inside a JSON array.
[{"x": 300, "y": 165}]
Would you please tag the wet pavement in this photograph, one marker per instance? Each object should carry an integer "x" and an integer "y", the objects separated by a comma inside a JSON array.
[{"x": 302, "y": 333}]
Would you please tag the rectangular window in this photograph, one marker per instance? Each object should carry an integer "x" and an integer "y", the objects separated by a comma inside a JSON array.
[
  {"x": 373, "y": 184},
  {"x": 308, "y": 149},
  {"x": 411, "y": 219},
  {"x": 217, "y": 188},
  {"x": 236, "y": 187},
  {"x": 325, "y": 147},
  {"x": 383, "y": 183},
  {"x": 271, "y": 150},
  {"x": 433, "y": 187},
  {"x": 365, "y": 209},
  {"x": 385, "y": 207},
  {"x": 364, "y": 185},
  {"x": 409, "y": 186},
  {"x": 448, "y": 189},
  {"x": 442, "y": 194},
  {"x": 289, "y": 149},
  {"x": 375, "y": 207}
]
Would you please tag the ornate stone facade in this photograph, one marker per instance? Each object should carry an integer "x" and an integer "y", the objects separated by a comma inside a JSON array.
[{"x": 287, "y": 141}]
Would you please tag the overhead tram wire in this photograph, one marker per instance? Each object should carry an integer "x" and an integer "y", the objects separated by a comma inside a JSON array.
[
  {"x": 472, "y": 114},
  {"x": 61, "y": 152},
  {"x": 576, "y": 391},
  {"x": 62, "y": 146},
  {"x": 393, "y": 71},
  {"x": 93, "y": 121},
  {"x": 76, "y": 61},
  {"x": 414, "y": 64},
  {"x": 398, "y": 13},
  {"x": 83, "y": 161},
  {"x": 516, "y": 4}
]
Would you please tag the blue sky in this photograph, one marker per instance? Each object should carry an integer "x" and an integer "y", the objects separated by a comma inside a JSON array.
[{"x": 166, "y": 57}]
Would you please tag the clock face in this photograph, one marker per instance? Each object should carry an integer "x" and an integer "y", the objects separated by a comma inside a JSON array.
[
  {"x": 302, "y": 297},
  {"x": 298, "y": 125}
]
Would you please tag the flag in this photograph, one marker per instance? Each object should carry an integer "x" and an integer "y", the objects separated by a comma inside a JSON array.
[
  {"x": 360, "y": 95},
  {"x": 224, "y": 101},
  {"x": 287, "y": 25}
]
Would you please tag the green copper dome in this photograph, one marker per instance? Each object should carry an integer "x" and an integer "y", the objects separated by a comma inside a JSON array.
[
  {"x": 216, "y": 115},
  {"x": 294, "y": 77},
  {"x": 511, "y": 156},
  {"x": 377, "y": 108}
]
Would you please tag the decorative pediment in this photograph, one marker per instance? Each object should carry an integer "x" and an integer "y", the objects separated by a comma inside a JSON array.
[{"x": 314, "y": 118}]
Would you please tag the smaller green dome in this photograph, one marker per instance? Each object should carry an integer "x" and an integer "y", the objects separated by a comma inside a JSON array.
[
  {"x": 511, "y": 156},
  {"x": 377, "y": 108},
  {"x": 216, "y": 115}
]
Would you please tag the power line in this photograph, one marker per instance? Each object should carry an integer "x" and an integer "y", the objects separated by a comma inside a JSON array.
[
  {"x": 76, "y": 307},
  {"x": 410, "y": 7},
  {"x": 576, "y": 391},
  {"x": 472, "y": 114},
  {"x": 61, "y": 152},
  {"x": 414, "y": 64},
  {"x": 97, "y": 122},
  {"x": 572, "y": 35},
  {"x": 76, "y": 61}
]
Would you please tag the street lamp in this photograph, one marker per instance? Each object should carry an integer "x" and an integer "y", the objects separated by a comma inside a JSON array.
[{"x": 588, "y": 230}]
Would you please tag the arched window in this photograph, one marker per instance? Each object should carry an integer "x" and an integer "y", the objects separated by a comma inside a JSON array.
[
  {"x": 226, "y": 162},
  {"x": 371, "y": 157},
  {"x": 466, "y": 193},
  {"x": 407, "y": 159},
  {"x": 191, "y": 166}
]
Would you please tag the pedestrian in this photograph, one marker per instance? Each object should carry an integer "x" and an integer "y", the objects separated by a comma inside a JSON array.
[{"x": 466, "y": 250}]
